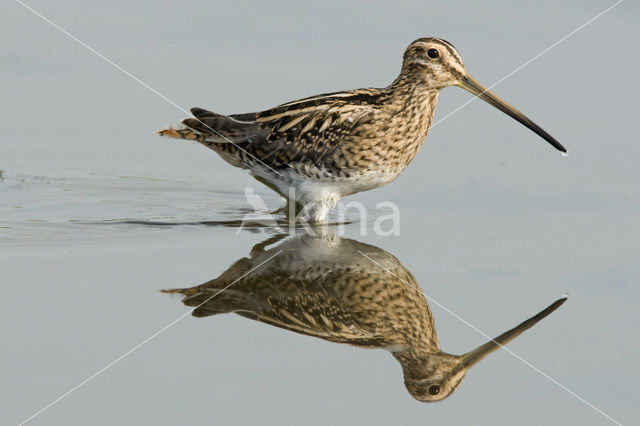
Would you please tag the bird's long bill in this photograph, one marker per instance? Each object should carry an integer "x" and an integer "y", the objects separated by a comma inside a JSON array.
[
  {"x": 471, "y": 358},
  {"x": 472, "y": 85}
]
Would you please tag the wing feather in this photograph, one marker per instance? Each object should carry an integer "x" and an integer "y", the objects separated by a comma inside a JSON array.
[{"x": 307, "y": 130}]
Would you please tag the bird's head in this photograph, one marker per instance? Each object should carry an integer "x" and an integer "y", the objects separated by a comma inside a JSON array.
[
  {"x": 433, "y": 376},
  {"x": 433, "y": 64}
]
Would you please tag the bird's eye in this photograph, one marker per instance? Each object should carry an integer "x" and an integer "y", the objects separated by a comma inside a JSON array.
[
  {"x": 433, "y": 53},
  {"x": 434, "y": 389}
]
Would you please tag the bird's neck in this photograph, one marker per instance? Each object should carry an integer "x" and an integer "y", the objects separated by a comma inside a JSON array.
[
  {"x": 413, "y": 101},
  {"x": 421, "y": 364},
  {"x": 411, "y": 106}
]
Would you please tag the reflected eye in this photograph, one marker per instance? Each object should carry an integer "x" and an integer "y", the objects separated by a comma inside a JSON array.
[
  {"x": 433, "y": 53},
  {"x": 434, "y": 389}
]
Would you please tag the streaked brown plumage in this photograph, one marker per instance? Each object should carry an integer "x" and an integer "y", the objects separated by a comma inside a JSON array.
[
  {"x": 345, "y": 291},
  {"x": 336, "y": 144}
]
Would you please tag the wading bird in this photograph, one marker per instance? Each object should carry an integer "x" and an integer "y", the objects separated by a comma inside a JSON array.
[
  {"x": 328, "y": 146},
  {"x": 345, "y": 291}
]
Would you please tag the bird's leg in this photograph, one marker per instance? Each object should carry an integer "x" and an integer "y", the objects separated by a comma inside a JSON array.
[{"x": 282, "y": 209}]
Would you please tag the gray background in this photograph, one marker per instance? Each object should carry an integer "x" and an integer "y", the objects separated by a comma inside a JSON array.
[{"x": 495, "y": 223}]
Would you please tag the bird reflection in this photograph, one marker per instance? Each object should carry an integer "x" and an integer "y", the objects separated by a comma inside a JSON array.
[{"x": 345, "y": 291}]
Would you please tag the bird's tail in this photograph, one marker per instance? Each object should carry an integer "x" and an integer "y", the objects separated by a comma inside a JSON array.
[
  {"x": 207, "y": 126},
  {"x": 181, "y": 131}
]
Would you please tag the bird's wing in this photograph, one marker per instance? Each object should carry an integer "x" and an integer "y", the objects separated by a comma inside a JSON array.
[
  {"x": 325, "y": 118},
  {"x": 306, "y": 130}
]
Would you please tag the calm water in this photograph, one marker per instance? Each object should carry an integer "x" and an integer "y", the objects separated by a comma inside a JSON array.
[{"x": 97, "y": 216}]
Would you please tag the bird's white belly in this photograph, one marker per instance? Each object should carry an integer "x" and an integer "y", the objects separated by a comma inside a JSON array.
[
  {"x": 312, "y": 189},
  {"x": 325, "y": 190}
]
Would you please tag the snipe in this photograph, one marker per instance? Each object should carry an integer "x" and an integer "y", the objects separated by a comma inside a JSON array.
[{"x": 328, "y": 146}]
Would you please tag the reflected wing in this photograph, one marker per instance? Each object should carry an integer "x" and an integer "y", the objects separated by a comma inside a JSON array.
[
  {"x": 289, "y": 300},
  {"x": 326, "y": 288}
]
